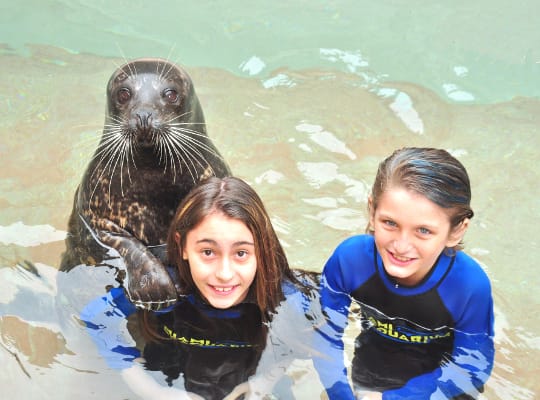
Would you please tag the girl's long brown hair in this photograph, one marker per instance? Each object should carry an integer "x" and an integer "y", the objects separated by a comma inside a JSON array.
[{"x": 236, "y": 199}]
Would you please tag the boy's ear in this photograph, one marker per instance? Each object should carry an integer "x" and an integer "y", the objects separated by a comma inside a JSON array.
[
  {"x": 371, "y": 213},
  {"x": 457, "y": 233}
]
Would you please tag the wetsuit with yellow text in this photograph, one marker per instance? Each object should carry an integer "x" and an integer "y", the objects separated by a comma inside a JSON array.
[{"x": 431, "y": 340}]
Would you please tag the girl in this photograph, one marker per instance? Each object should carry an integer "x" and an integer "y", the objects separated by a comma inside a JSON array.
[
  {"x": 426, "y": 307},
  {"x": 232, "y": 275}
]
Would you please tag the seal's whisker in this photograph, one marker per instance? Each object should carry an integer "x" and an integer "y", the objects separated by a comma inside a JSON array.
[
  {"x": 168, "y": 58},
  {"x": 118, "y": 120},
  {"x": 122, "y": 158},
  {"x": 162, "y": 73},
  {"x": 126, "y": 61},
  {"x": 108, "y": 140},
  {"x": 177, "y": 152},
  {"x": 135, "y": 73},
  {"x": 192, "y": 143},
  {"x": 87, "y": 142},
  {"x": 128, "y": 150},
  {"x": 181, "y": 134},
  {"x": 124, "y": 58},
  {"x": 168, "y": 71},
  {"x": 106, "y": 151},
  {"x": 186, "y": 131},
  {"x": 111, "y": 130},
  {"x": 170, "y": 154},
  {"x": 186, "y": 123},
  {"x": 185, "y": 157},
  {"x": 123, "y": 147},
  {"x": 162, "y": 155},
  {"x": 187, "y": 143},
  {"x": 169, "y": 121}
]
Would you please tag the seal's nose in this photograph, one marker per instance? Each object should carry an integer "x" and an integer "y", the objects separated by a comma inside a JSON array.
[
  {"x": 144, "y": 126},
  {"x": 143, "y": 120}
]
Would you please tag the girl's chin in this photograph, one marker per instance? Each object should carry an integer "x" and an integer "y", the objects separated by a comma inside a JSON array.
[{"x": 223, "y": 302}]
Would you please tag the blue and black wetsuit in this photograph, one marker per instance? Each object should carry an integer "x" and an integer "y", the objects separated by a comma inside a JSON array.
[
  {"x": 434, "y": 339},
  {"x": 212, "y": 350}
]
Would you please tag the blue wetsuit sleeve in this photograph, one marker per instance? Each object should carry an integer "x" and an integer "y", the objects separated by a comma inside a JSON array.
[
  {"x": 105, "y": 319},
  {"x": 469, "y": 365},
  {"x": 335, "y": 302}
]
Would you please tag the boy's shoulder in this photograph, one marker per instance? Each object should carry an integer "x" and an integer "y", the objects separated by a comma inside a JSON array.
[
  {"x": 357, "y": 242},
  {"x": 469, "y": 272}
]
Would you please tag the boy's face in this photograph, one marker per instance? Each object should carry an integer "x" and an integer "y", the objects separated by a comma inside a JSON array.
[{"x": 410, "y": 233}]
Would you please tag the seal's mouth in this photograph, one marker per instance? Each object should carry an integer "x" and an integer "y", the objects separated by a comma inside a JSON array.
[{"x": 145, "y": 139}]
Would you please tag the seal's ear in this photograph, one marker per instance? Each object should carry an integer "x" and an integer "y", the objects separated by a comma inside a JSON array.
[
  {"x": 179, "y": 245},
  {"x": 457, "y": 233}
]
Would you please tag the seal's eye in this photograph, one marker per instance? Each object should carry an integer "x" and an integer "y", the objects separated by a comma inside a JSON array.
[
  {"x": 170, "y": 95},
  {"x": 123, "y": 95}
]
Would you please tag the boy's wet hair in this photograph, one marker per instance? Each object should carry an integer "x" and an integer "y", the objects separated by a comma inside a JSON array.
[{"x": 433, "y": 173}]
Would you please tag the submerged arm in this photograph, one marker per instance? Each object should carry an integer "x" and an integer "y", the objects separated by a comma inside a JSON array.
[{"x": 330, "y": 363}]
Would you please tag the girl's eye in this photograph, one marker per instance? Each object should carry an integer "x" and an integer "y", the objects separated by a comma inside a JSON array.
[
  {"x": 242, "y": 254},
  {"x": 207, "y": 252}
]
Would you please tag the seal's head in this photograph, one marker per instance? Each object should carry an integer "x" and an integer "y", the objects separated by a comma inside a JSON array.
[{"x": 152, "y": 108}]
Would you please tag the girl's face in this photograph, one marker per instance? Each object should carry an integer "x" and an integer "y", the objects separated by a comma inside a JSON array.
[
  {"x": 221, "y": 256},
  {"x": 410, "y": 233}
]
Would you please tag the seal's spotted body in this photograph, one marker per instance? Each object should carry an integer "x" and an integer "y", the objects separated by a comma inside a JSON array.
[{"x": 153, "y": 150}]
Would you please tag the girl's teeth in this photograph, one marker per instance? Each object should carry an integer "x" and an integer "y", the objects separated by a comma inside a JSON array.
[{"x": 222, "y": 289}]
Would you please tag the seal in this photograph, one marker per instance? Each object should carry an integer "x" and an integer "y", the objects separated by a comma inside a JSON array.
[{"x": 153, "y": 150}]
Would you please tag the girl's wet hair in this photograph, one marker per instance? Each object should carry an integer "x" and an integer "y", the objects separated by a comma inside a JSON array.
[
  {"x": 236, "y": 199},
  {"x": 433, "y": 173}
]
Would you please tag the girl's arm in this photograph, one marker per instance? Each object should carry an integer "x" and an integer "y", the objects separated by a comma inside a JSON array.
[{"x": 105, "y": 319}]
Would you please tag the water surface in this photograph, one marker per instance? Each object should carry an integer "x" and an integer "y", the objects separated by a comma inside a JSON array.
[{"x": 304, "y": 109}]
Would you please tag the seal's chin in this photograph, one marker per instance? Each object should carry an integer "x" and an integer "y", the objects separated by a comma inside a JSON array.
[{"x": 145, "y": 144}]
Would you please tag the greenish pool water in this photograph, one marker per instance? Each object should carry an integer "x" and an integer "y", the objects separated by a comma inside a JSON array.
[{"x": 303, "y": 99}]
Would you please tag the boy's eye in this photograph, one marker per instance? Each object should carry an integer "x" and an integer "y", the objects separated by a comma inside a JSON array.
[
  {"x": 389, "y": 222},
  {"x": 424, "y": 231}
]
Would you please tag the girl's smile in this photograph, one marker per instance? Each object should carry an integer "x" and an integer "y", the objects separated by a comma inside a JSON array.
[{"x": 222, "y": 261}]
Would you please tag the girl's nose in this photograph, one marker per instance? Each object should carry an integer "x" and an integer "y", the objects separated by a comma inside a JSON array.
[{"x": 225, "y": 271}]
